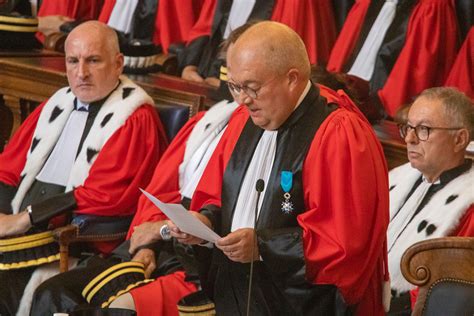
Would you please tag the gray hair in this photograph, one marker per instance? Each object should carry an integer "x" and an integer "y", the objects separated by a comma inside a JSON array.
[{"x": 458, "y": 107}]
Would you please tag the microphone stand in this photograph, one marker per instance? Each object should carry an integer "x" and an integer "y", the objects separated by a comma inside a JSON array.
[{"x": 259, "y": 187}]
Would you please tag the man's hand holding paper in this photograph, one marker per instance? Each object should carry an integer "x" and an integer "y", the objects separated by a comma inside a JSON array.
[{"x": 187, "y": 227}]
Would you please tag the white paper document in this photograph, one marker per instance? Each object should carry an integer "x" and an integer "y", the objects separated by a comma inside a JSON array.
[{"x": 186, "y": 222}]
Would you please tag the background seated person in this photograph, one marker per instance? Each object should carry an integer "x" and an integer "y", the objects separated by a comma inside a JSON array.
[
  {"x": 304, "y": 147},
  {"x": 86, "y": 150},
  {"x": 175, "y": 179},
  {"x": 431, "y": 196}
]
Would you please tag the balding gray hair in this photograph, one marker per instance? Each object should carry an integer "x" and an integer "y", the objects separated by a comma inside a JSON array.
[{"x": 458, "y": 108}]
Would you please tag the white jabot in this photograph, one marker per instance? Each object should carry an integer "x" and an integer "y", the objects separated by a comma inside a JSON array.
[
  {"x": 260, "y": 167},
  {"x": 195, "y": 168},
  {"x": 201, "y": 144},
  {"x": 403, "y": 217},
  {"x": 57, "y": 168},
  {"x": 364, "y": 64},
  {"x": 239, "y": 14},
  {"x": 122, "y": 15}
]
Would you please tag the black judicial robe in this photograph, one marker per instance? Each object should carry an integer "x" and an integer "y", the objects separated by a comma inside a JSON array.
[
  {"x": 308, "y": 256},
  {"x": 204, "y": 42}
]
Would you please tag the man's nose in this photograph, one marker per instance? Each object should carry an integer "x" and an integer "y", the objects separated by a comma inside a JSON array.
[
  {"x": 83, "y": 70},
  {"x": 411, "y": 137},
  {"x": 243, "y": 98}
]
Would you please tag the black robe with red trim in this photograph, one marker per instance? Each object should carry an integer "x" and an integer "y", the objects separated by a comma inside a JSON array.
[
  {"x": 424, "y": 33},
  {"x": 207, "y": 34},
  {"x": 333, "y": 242}
]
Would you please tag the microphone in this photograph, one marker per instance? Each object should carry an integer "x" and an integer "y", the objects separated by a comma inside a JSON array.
[{"x": 259, "y": 186}]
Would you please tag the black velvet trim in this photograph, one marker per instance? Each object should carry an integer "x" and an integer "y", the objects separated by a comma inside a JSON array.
[
  {"x": 371, "y": 15},
  {"x": 392, "y": 45},
  {"x": 7, "y": 193},
  {"x": 155, "y": 246},
  {"x": 262, "y": 10},
  {"x": 191, "y": 55},
  {"x": 143, "y": 23},
  {"x": 57, "y": 205},
  {"x": 213, "y": 213},
  {"x": 28, "y": 254}
]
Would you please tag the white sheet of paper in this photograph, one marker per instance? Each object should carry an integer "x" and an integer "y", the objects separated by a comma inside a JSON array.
[{"x": 186, "y": 222}]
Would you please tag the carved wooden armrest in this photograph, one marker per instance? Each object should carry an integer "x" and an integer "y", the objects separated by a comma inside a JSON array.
[
  {"x": 65, "y": 235},
  {"x": 428, "y": 261}
]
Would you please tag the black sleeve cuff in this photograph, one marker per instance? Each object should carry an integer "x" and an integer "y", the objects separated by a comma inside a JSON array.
[
  {"x": 7, "y": 193},
  {"x": 282, "y": 252},
  {"x": 191, "y": 55},
  {"x": 60, "y": 204},
  {"x": 213, "y": 213}
]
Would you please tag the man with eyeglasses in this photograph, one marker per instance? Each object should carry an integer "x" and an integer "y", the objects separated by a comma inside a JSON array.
[
  {"x": 432, "y": 195},
  {"x": 317, "y": 240}
]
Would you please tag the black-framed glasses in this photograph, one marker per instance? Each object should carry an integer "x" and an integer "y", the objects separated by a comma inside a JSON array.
[
  {"x": 236, "y": 89},
  {"x": 252, "y": 93},
  {"x": 422, "y": 132}
]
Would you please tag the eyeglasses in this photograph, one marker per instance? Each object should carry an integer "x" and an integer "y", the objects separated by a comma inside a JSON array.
[
  {"x": 422, "y": 132},
  {"x": 252, "y": 93}
]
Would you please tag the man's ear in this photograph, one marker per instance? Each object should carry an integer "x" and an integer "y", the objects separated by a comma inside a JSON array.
[
  {"x": 461, "y": 139},
  {"x": 293, "y": 77},
  {"x": 119, "y": 60}
]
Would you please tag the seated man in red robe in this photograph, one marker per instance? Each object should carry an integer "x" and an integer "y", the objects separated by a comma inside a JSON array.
[
  {"x": 431, "y": 196},
  {"x": 86, "y": 150},
  {"x": 317, "y": 237}
]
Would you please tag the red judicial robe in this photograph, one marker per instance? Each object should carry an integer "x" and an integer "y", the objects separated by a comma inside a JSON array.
[
  {"x": 347, "y": 38},
  {"x": 404, "y": 66},
  {"x": 339, "y": 246},
  {"x": 161, "y": 296},
  {"x": 427, "y": 56},
  {"x": 461, "y": 75},
  {"x": 165, "y": 182},
  {"x": 75, "y": 9},
  {"x": 313, "y": 21},
  {"x": 173, "y": 21},
  {"x": 125, "y": 163}
]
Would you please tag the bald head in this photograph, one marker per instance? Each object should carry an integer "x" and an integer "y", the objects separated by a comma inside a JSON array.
[
  {"x": 279, "y": 47},
  {"x": 98, "y": 31}
]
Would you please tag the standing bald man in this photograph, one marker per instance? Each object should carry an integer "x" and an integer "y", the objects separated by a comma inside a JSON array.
[
  {"x": 86, "y": 150},
  {"x": 318, "y": 245}
]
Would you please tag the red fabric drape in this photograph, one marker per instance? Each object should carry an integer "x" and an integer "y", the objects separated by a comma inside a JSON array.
[
  {"x": 461, "y": 75},
  {"x": 174, "y": 21},
  {"x": 75, "y": 9},
  {"x": 313, "y": 21},
  {"x": 106, "y": 10},
  {"x": 427, "y": 56},
  {"x": 125, "y": 163},
  {"x": 161, "y": 296},
  {"x": 347, "y": 38},
  {"x": 204, "y": 23},
  {"x": 165, "y": 182}
]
